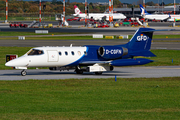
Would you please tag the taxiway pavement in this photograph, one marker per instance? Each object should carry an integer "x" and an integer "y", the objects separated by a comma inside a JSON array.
[{"x": 120, "y": 72}]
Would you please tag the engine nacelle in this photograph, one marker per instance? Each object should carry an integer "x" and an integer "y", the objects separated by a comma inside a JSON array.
[{"x": 112, "y": 52}]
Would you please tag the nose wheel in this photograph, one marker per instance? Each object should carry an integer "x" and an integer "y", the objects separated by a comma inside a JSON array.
[{"x": 23, "y": 72}]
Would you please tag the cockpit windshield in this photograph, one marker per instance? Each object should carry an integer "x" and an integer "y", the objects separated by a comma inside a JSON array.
[{"x": 35, "y": 52}]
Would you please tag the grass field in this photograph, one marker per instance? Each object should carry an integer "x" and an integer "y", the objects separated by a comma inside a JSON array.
[
  {"x": 15, "y": 34},
  {"x": 32, "y": 33},
  {"x": 136, "y": 98},
  {"x": 52, "y": 38},
  {"x": 164, "y": 57}
]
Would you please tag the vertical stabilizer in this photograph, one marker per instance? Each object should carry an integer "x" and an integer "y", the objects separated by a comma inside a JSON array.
[
  {"x": 77, "y": 10},
  {"x": 143, "y": 11},
  {"x": 141, "y": 40}
]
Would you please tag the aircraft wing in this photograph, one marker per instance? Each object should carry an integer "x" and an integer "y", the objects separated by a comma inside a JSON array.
[
  {"x": 143, "y": 53},
  {"x": 120, "y": 62},
  {"x": 158, "y": 30},
  {"x": 75, "y": 15},
  {"x": 95, "y": 62}
]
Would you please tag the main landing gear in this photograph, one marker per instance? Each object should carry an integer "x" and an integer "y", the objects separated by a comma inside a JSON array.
[
  {"x": 98, "y": 73},
  {"x": 23, "y": 72},
  {"x": 79, "y": 71}
]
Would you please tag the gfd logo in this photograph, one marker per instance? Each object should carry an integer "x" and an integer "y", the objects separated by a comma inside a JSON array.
[{"x": 142, "y": 38}]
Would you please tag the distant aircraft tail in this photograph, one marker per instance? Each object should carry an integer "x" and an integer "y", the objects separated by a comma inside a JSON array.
[
  {"x": 76, "y": 10},
  {"x": 143, "y": 11}
]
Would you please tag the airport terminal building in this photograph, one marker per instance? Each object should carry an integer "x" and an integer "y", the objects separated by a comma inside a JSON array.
[{"x": 150, "y": 9}]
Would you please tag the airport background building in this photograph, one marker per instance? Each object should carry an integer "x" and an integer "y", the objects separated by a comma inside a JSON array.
[{"x": 150, "y": 9}]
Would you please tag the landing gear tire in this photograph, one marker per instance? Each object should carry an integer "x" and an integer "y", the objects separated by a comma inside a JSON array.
[
  {"x": 79, "y": 72},
  {"x": 23, "y": 73},
  {"x": 98, "y": 73}
]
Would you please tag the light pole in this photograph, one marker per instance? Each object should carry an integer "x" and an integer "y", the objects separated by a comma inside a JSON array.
[
  {"x": 6, "y": 11},
  {"x": 174, "y": 7},
  {"x": 39, "y": 13},
  {"x": 158, "y": 6},
  {"x": 63, "y": 12},
  {"x": 86, "y": 12},
  {"x": 112, "y": 11},
  {"x": 44, "y": 7},
  {"x": 162, "y": 6},
  {"x": 144, "y": 3},
  {"x": 144, "y": 22},
  {"x": 174, "y": 24}
]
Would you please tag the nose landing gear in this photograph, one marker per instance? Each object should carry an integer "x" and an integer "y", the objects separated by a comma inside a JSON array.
[{"x": 23, "y": 72}]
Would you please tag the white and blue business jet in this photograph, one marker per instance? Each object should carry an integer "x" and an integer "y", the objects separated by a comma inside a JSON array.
[{"x": 89, "y": 58}]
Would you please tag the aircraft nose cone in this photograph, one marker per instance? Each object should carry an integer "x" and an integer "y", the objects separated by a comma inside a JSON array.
[
  {"x": 9, "y": 64},
  {"x": 18, "y": 62}
]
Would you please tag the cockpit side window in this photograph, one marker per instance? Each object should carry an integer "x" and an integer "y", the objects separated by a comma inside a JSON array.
[{"x": 35, "y": 52}]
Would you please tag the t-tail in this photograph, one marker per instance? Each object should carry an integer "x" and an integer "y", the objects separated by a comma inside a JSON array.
[
  {"x": 77, "y": 10},
  {"x": 143, "y": 11},
  {"x": 140, "y": 43}
]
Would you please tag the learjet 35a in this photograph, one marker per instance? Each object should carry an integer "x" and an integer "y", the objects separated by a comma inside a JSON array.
[{"x": 89, "y": 58}]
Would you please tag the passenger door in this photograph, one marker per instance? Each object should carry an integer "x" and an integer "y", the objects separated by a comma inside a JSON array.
[{"x": 52, "y": 56}]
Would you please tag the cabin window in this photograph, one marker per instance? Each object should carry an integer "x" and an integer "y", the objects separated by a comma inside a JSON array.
[
  {"x": 35, "y": 52},
  {"x": 79, "y": 53},
  {"x": 66, "y": 53},
  {"x": 60, "y": 53},
  {"x": 72, "y": 52},
  {"x": 85, "y": 52}
]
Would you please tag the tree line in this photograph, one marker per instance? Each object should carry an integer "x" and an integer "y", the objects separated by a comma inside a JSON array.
[{"x": 31, "y": 8}]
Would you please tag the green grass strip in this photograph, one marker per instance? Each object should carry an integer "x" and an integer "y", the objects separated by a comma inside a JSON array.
[
  {"x": 16, "y": 34},
  {"x": 51, "y": 38},
  {"x": 32, "y": 33},
  {"x": 91, "y": 99}
]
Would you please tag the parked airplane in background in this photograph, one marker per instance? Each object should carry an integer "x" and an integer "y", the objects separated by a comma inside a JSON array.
[
  {"x": 174, "y": 18},
  {"x": 89, "y": 58},
  {"x": 146, "y": 15},
  {"x": 97, "y": 16}
]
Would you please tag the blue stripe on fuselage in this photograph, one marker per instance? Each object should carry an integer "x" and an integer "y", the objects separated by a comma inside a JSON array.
[
  {"x": 77, "y": 61},
  {"x": 92, "y": 55}
]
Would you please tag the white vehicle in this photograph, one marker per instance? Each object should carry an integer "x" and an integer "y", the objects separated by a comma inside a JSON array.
[
  {"x": 89, "y": 58},
  {"x": 146, "y": 15},
  {"x": 97, "y": 16}
]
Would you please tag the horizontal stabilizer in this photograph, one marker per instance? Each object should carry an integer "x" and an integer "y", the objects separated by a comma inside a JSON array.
[
  {"x": 143, "y": 53},
  {"x": 130, "y": 62},
  {"x": 153, "y": 30}
]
